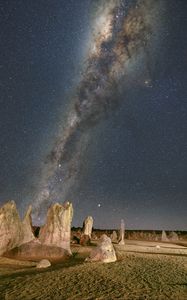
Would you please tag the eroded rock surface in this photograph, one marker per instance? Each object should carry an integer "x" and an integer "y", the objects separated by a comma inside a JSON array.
[
  {"x": 87, "y": 226},
  {"x": 85, "y": 239},
  {"x": 34, "y": 250},
  {"x": 104, "y": 252},
  {"x": 57, "y": 230},
  {"x": 11, "y": 233},
  {"x": 27, "y": 227}
]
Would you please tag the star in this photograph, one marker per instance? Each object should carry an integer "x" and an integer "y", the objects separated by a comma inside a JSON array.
[{"x": 148, "y": 83}]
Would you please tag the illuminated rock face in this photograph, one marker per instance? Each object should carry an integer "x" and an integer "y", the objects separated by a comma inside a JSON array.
[
  {"x": 87, "y": 226},
  {"x": 27, "y": 227},
  {"x": 34, "y": 250},
  {"x": 11, "y": 233},
  {"x": 57, "y": 230},
  {"x": 104, "y": 252}
]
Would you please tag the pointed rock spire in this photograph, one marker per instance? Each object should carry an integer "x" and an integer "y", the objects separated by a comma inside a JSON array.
[
  {"x": 87, "y": 226},
  {"x": 11, "y": 233},
  {"x": 57, "y": 229}
]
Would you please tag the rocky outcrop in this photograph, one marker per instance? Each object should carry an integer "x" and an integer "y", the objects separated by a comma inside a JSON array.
[
  {"x": 36, "y": 251},
  {"x": 27, "y": 227},
  {"x": 87, "y": 226},
  {"x": 44, "y": 263},
  {"x": 104, "y": 252},
  {"x": 57, "y": 230},
  {"x": 11, "y": 233}
]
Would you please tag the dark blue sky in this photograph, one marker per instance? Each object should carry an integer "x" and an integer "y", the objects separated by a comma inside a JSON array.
[{"x": 136, "y": 162}]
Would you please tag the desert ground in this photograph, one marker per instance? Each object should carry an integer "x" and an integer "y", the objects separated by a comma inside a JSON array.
[{"x": 144, "y": 270}]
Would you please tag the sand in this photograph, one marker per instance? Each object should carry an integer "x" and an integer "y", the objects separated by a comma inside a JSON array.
[{"x": 138, "y": 274}]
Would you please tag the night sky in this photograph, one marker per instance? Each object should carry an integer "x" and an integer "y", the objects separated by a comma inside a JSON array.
[{"x": 94, "y": 112}]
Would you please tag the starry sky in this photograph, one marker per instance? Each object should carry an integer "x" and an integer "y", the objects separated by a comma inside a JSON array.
[{"x": 122, "y": 156}]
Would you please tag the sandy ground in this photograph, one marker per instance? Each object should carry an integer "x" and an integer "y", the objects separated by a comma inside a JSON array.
[{"x": 141, "y": 272}]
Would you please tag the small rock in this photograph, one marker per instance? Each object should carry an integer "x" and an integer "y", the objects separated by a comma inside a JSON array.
[{"x": 44, "y": 263}]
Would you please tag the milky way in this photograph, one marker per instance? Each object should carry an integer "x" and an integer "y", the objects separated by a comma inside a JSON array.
[{"x": 120, "y": 38}]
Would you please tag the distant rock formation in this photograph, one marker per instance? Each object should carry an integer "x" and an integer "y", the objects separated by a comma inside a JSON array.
[
  {"x": 164, "y": 237},
  {"x": 104, "y": 252},
  {"x": 122, "y": 233},
  {"x": 44, "y": 263},
  {"x": 57, "y": 230},
  {"x": 173, "y": 237},
  {"x": 94, "y": 236},
  {"x": 11, "y": 233},
  {"x": 27, "y": 227},
  {"x": 87, "y": 226},
  {"x": 114, "y": 236},
  {"x": 76, "y": 235},
  {"x": 75, "y": 240},
  {"x": 85, "y": 238}
]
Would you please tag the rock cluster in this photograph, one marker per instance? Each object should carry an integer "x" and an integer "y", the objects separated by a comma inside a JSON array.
[
  {"x": 14, "y": 232},
  {"x": 17, "y": 238}
]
